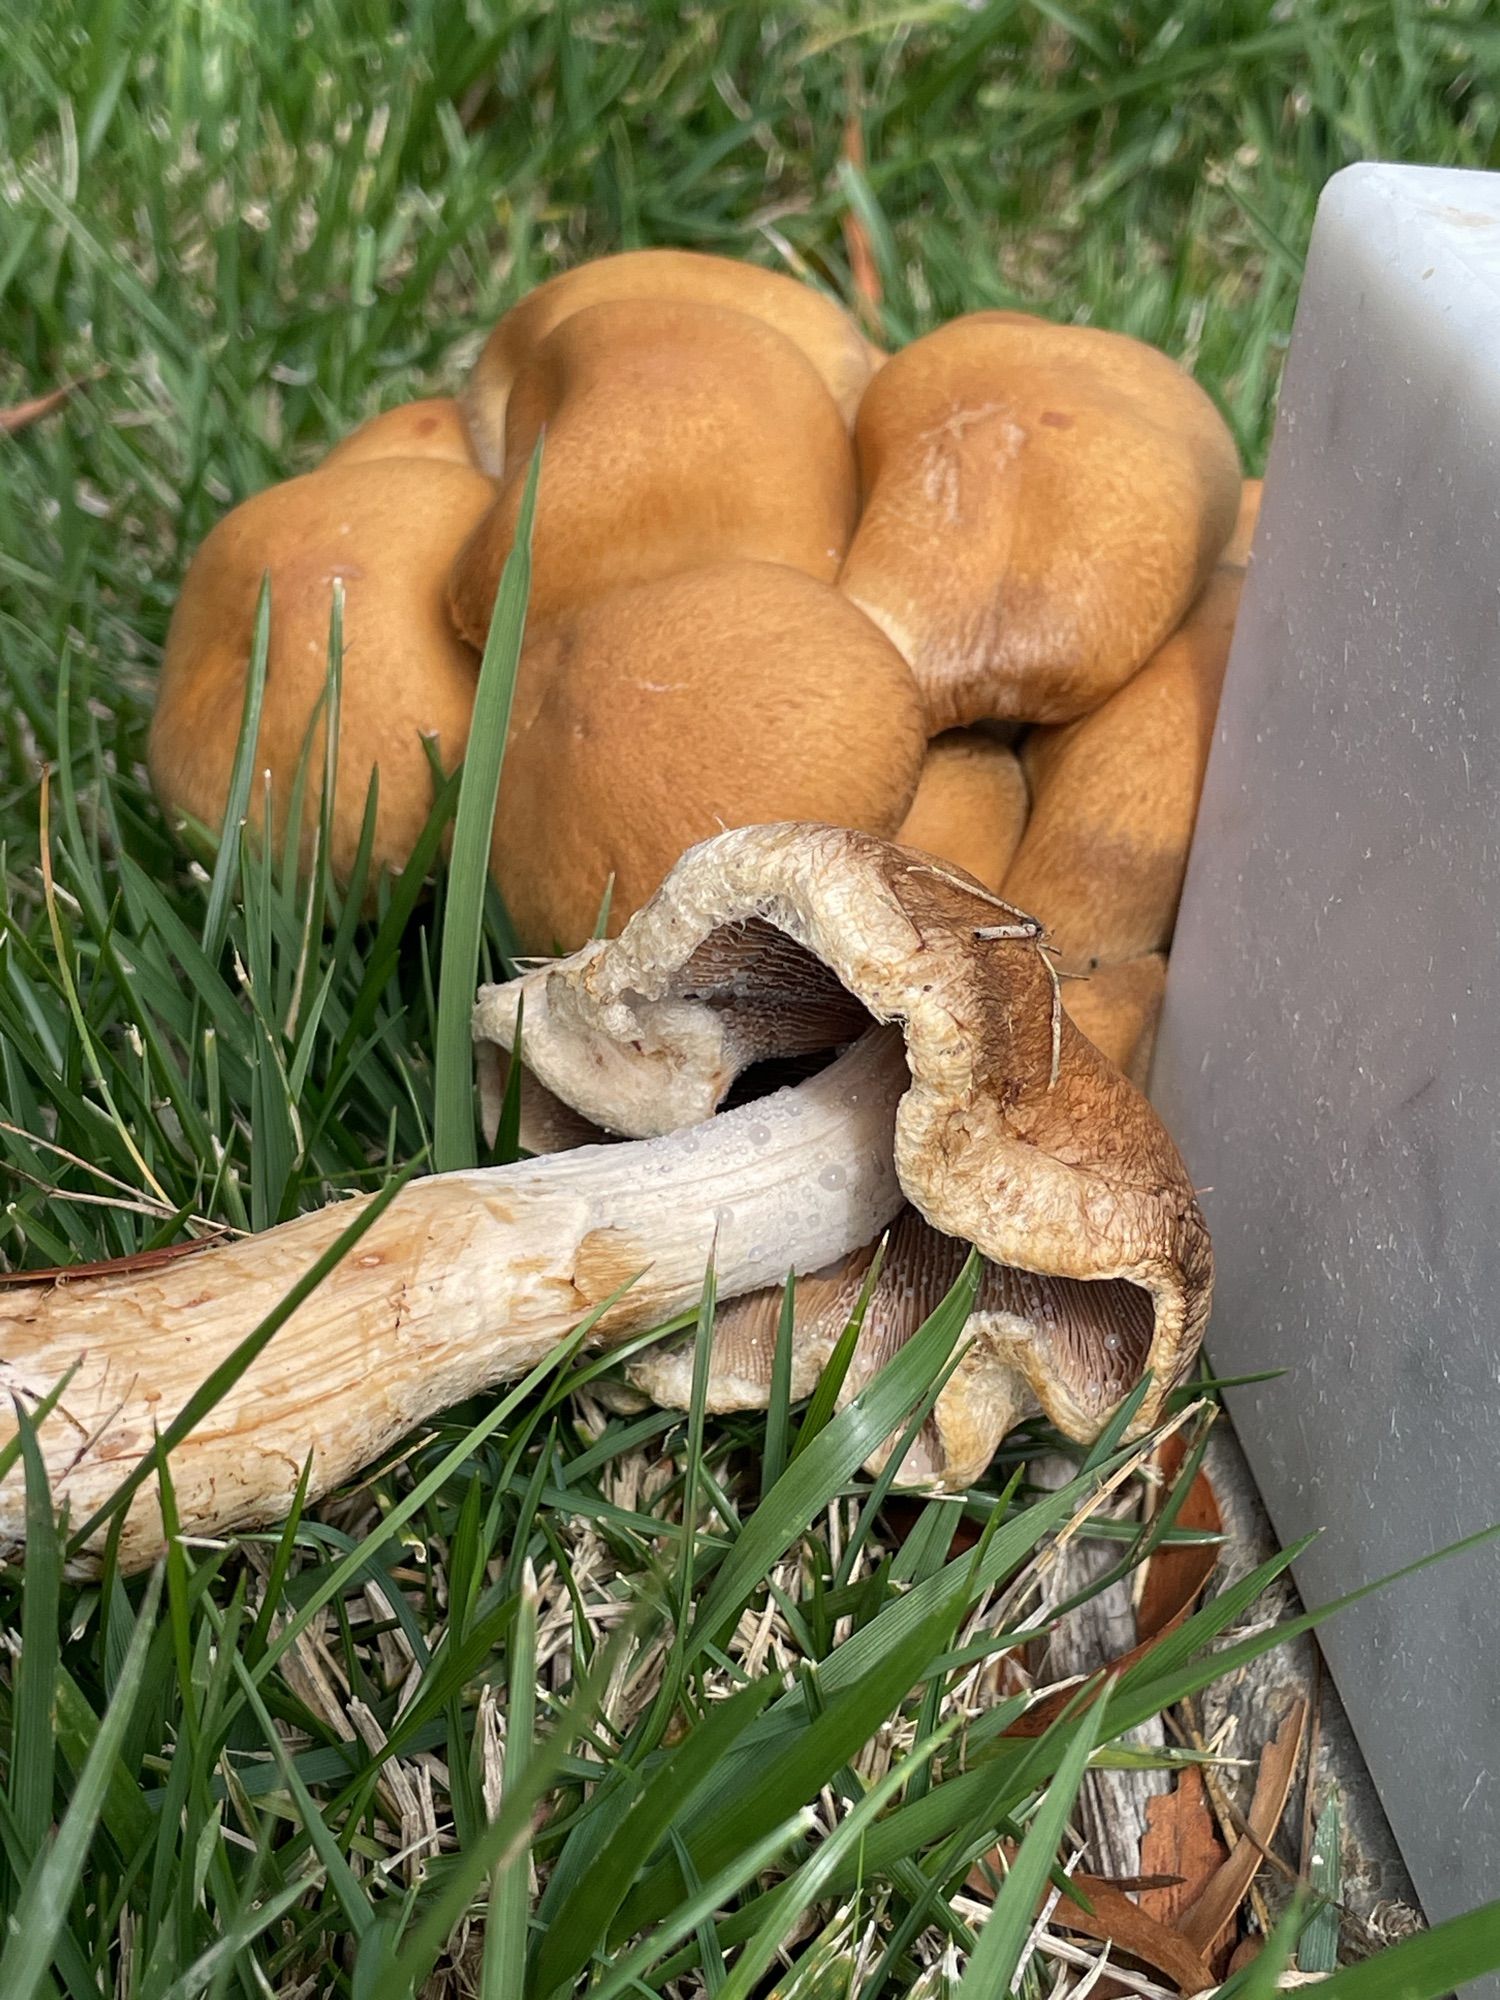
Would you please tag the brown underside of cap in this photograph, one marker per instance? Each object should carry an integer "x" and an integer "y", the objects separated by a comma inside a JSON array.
[{"x": 1016, "y": 1135}]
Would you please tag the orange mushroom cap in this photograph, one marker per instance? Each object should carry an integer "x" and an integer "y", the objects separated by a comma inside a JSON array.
[
  {"x": 677, "y": 435},
  {"x": 970, "y": 806},
  {"x": 1043, "y": 504},
  {"x": 388, "y": 530},
  {"x": 809, "y": 319},
  {"x": 432, "y": 427},
  {"x": 1115, "y": 794},
  {"x": 663, "y": 713}
]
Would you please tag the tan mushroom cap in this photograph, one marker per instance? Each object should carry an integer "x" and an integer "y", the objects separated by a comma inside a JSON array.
[
  {"x": 1115, "y": 795},
  {"x": 432, "y": 427},
  {"x": 388, "y": 529},
  {"x": 677, "y": 435},
  {"x": 809, "y": 319},
  {"x": 971, "y": 804},
  {"x": 1118, "y": 1007},
  {"x": 1043, "y": 504},
  {"x": 1015, "y": 1136},
  {"x": 658, "y": 715}
]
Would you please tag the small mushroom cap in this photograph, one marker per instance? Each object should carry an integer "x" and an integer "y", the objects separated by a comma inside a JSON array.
[
  {"x": 388, "y": 529},
  {"x": 656, "y": 715},
  {"x": 677, "y": 435},
  {"x": 1237, "y": 549},
  {"x": 809, "y": 319},
  {"x": 971, "y": 804},
  {"x": 1015, "y": 1136},
  {"x": 432, "y": 427},
  {"x": 1118, "y": 1007},
  {"x": 1115, "y": 795},
  {"x": 1043, "y": 504}
]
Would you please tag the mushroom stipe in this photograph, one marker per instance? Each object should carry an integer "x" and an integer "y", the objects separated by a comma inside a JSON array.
[{"x": 937, "y": 1112}]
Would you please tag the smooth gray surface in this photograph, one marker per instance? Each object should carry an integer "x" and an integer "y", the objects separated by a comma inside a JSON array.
[{"x": 1330, "y": 1051}]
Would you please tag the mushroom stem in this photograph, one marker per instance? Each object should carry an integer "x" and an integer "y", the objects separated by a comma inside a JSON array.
[{"x": 466, "y": 1280}]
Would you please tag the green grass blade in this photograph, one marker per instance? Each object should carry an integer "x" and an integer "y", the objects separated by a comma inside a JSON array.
[
  {"x": 812, "y": 1479},
  {"x": 1318, "y": 1946},
  {"x": 33, "y": 1727},
  {"x": 226, "y": 869},
  {"x": 992, "y": 1967},
  {"x": 503, "y": 1974},
  {"x": 453, "y": 1135},
  {"x": 43, "y": 1904}
]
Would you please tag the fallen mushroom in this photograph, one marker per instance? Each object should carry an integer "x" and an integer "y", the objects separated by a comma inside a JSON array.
[
  {"x": 970, "y": 806},
  {"x": 1115, "y": 795},
  {"x": 387, "y": 530},
  {"x": 812, "y": 321},
  {"x": 1017, "y": 1136},
  {"x": 678, "y": 435},
  {"x": 998, "y": 1120},
  {"x": 657, "y": 715},
  {"x": 1042, "y": 505},
  {"x": 432, "y": 427}
]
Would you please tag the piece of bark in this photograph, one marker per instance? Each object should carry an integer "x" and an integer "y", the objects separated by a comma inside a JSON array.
[
  {"x": 1181, "y": 1840},
  {"x": 1242, "y": 1710},
  {"x": 1206, "y": 1922},
  {"x": 1112, "y": 1803},
  {"x": 1183, "y": 1570}
]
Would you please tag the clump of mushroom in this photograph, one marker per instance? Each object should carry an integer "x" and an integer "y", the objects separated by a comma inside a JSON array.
[
  {"x": 974, "y": 599},
  {"x": 954, "y": 1108}
]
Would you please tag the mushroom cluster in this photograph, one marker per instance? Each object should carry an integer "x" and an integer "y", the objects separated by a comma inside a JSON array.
[
  {"x": 942, "y": 634},
  {"x": 974, "y": 596}
]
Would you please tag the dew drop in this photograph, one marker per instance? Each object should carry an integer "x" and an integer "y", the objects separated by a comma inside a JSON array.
[
  {"x": 833, "y": 1178},
  {"x": 759, "y": 1135},
  {"x": 1111, "y": 1341}
]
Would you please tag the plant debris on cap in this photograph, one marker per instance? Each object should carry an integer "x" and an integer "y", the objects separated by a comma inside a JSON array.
[
  {"x": 811, "y": 320},
  {"x": 677, "y": 434},
  {"x": 1016, "y": 1135},
  {"x": 1042, "y": 505}
]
